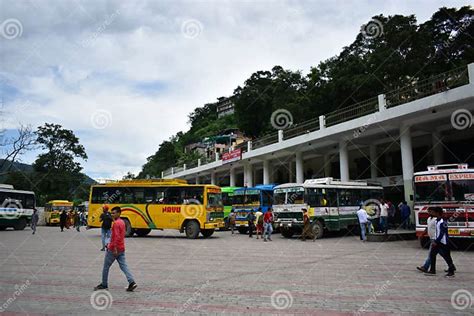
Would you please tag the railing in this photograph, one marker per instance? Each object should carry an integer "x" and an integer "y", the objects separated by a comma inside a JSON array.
[
  {"x": 353, "y": 111},
  {"x": 265, "y": 140},
  {"x": 423, "y": 88},
  {"x": 301, "y": 128},
  {"x": 167, "y": 172}
]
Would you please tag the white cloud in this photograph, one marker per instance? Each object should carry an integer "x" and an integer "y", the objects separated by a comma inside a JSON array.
[{"x": 78, "y": 57}]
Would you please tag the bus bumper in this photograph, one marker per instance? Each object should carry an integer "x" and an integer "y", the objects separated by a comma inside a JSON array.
[
  {"x": 241, "y": 224},
  {"x": 214, "y": 225}
]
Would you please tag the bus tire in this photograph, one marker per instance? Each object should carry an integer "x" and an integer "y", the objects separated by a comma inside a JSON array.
[
  {"x": 192, "y": 229},
  {"x": 20, "y": 225},
  {"x": 425, "y": 242},
  {"x": 142, "y": 232},
  {"x": 243, "y": 230},
  {"x": 206, "y": 233},
  {"x": 3, "y": 228},
  {"x": 318, "y": 230},
  {"x": 128, "y": 228},
  {"x": 287, "y": 232}
]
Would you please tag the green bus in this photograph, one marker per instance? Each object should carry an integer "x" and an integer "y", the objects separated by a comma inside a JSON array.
[{"x": 227, "y": 198}]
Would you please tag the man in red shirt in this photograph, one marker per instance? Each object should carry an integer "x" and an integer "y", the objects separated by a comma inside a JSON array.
[
  {"x": 268, "y": 225},
  {"x": 116, "y": 251}
]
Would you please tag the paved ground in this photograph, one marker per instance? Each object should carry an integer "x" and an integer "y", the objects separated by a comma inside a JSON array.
[{"x": 54, "y": 273}]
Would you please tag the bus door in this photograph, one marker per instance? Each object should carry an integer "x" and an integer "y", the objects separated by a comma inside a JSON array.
[{"x": 329, "y": 197}]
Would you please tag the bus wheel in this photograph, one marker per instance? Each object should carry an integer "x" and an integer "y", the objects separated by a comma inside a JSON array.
[
  {"x": 192, "y": 229},
  {"x": 207, "y": 232},
  {"x": 425, "y": 242},
  {"x": 243, "y": 230},
  {"x": 287, "y": 232},
  {"x": 142, "y": 232},
  {"x": 318, "y": 230},
  {"x": 128, "y": 228},
  {"x": 20, "y": 225},
  {"x": 3, "y": 228}
]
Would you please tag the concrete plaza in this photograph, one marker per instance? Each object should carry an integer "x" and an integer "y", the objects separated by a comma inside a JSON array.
[{"x": 54, "y": 273}]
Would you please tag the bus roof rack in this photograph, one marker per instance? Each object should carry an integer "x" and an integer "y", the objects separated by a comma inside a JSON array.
[
  {"x": 448, "y": 166},
  {"x": 330, "y": 180},
  {"x": 6, "y": 186}
]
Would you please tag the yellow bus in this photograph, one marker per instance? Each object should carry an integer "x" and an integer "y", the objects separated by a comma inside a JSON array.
[
  {"x": 53, "y": 209},
  {"x": 160, "y": 204}
]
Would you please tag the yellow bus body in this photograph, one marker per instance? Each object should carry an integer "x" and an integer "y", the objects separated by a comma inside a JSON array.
[{"x": 53, "y": 209}]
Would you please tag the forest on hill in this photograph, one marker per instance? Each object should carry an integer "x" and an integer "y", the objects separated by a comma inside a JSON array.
[{"x": 389, "y": 53}]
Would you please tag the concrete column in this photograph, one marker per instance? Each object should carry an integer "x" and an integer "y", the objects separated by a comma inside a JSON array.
[
  {"x": 327, "y": 165},
  {"x": 266, "y": 172},
  {"x": 382, "y": 102},
  {"x": 249, "y": 145},
  {"x": 322, "y": 122},
  {"x": 232, "y": 177},
  {"x": 470, "y": 71},
  {"x": 373, "y": 161},
  {"x": 299, "y": 167},
  {"x": 184, "y": 166},
  {"x": 199, "y": 162},
  {"x": 407, "y": 163},
  {"x": 280, "y": 135},
  {"x": 162, "y": 174},
  {"x": 213, "y": 178},
  {"x": 172, "y": 170},
  {"x": 344, "y": 161},
  {"x": 437, "y": 148},
  {"x": 248, "y": 175}
]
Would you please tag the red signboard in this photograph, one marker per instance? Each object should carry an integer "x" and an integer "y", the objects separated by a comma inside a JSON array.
[
  {"x": 461, "y": 176},
  {"x": 232, "y": 156},
  {"x": 429, "y": 178}
]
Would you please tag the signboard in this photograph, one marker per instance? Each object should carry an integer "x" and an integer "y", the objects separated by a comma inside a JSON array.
[
  {"x": 234, "y": 155},
  {"x": 430, "y": 178},
  {"x": 461, "y": 176}
]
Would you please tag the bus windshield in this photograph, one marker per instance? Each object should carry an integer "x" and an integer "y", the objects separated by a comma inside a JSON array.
[
  {"x": 214, "y": 199},
  {"x": 279, "y": 196},
  {"x": 430, "y": 191},
  {"x": 463, "y": 190},
  {"x": 227, "y": 199},
  {"x": 252, "y": 198}
]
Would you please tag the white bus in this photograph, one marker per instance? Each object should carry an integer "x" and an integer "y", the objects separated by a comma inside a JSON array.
[
  {"x": 16, "y": 207},
  {"x": 332, "y": 204}
]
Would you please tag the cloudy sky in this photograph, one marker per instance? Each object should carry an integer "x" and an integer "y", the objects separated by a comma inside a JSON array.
[{"x": 123, "y": 75}]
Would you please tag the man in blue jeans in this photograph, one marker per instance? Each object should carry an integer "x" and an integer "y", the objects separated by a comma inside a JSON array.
[
  {"x": 363, "y": 222},
  {"x": 268, "y": 225},
  {"x": 116, "y": 251},
  {"x": 431, "y": 231},
  {"x": 106, "y": 220}
]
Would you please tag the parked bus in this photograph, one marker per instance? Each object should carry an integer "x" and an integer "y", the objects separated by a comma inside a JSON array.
[
  {"x": 450, "y": 187},
  {"x": 251, "y": 199},
  {"x": 332, "y": 204},
  {"x": 16, "y": 207},
  {"x": 227, "y": 196},
  {"x": 160, "y": 204},
  {"x": 53, "y": 209}
]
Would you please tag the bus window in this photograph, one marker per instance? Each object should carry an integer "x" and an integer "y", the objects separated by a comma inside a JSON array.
[
  {"x": 349, "y": 197},
  {"x": 279, "y": 196},
  {"x": 193, "y": 194},
  {"x": 227, "y": 199},
  {"x": 149, "y": 195},
  {"x": 321, "y": 197},
  {"x": 214, "y": 199},
  {"x": 296, "y": 196},
  {"x": 139, "y": 195}
]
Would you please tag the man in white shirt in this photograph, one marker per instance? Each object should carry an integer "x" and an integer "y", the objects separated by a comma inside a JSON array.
[
  {"x": 363, "y": 220},
  {"x": 431, "y": 231},
  {"x": 384, "y": 217}
]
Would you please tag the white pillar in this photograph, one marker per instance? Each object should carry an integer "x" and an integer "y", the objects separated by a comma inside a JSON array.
[
  {"x": 249, "y": 145},
  {"x": 437, "y": 148},
  {"x": 373, "y": 161},
  {"x": 299, "y": 167},
  {"x": 382, "y": 102},
  {"x": 248, "y": 175},
  {"x": 213, "y": 178},
  {"x": 280, "y": 135},
  {"x": 232, "y": 177},
  {"x": 470, "y": 71},
  {"x": 407, "y": 163},
  {"x": 327, "y": 165},
  {"x": 343, "y": 161},
  {"x": 266, "y": 172},
  {"x": 322, "y": 122}
]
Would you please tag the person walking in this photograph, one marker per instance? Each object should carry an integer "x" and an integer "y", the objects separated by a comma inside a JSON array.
[
  {"x": 62, "y": 220},
  {"x": 391, "y": 214},
  {"x": 34, "y": 220},
  {"x": 405, "y": 214},
  {"x": 251, "y": 223},
  {"x": 232, "y": 221},
  {"x": 363, "y": 222},
  {"x": 106, "y": 220},
  {"x": 307, "y": 228},
  {"x": 384, "y": 217},
  {"x": 77, "y": 221},
  {"x": 441, "y": 244},
  {"x": 431, "y": 231},
  {"x": 116, "y": 251},
  {"x": 268, "y": 225},
  {"x": 259, "y": 216}
]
